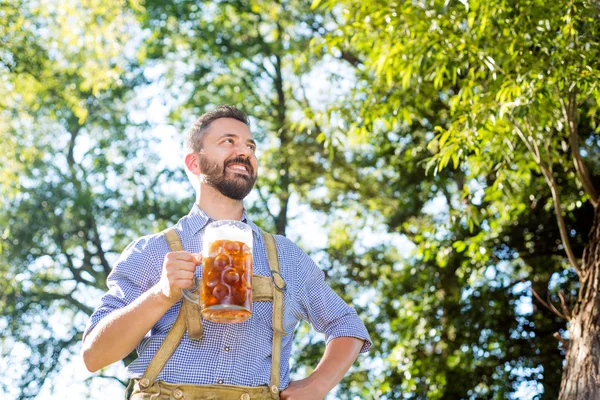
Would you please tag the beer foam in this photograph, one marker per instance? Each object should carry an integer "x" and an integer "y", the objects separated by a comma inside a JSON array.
[{"x": 227, "y": 232}]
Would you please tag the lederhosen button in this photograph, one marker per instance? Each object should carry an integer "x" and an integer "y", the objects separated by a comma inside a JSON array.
[
  {"x": 245, "y": 396},
  {"x": 178, "y": 393},
  {"x": 274, "y": 389},
  {"x": 144, "y": 383}
]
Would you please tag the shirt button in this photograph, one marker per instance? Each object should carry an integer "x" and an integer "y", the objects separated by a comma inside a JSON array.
[
  {"x": 220, "y": 381},
  {"x": 226, "y": 348}
]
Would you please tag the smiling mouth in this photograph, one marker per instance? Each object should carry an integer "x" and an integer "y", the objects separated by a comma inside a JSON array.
[{"x": 239, "y": 169}]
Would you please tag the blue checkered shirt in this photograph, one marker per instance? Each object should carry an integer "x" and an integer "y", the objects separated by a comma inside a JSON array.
[{"x": 235, "y": 354}]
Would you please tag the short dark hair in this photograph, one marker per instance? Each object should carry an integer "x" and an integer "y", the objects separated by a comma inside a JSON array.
[{"x": 193, "y": 137}]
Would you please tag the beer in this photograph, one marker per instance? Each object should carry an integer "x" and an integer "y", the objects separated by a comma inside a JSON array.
[
  {"x": 227, "y": 272},
  {"x": 227, "y": 279}
]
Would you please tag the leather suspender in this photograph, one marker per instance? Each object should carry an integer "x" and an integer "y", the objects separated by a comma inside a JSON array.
[
  {"x": 278, "y": 287},
  {"x": 193, "y": 317},
  {"x": 263, "y": 289}
]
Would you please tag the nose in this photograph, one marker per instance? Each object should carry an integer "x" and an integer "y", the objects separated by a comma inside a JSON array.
[{"x": 242, "y": 150}]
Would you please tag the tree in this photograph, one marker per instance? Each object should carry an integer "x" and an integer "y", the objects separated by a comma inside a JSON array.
[
  {"x": 505, "y": 93},
  {"x": 445, "y": 322},
  {"x": 252, "y": 54},
  {"x": 77, "y": 181}
]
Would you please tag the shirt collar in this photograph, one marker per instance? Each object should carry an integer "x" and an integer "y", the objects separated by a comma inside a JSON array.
[{"x": 198, "y": 219}]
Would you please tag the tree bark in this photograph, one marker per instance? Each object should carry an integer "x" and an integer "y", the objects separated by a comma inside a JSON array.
[
  {"x": 284, "y": 179},
  {"x": 581, "y": 373}
]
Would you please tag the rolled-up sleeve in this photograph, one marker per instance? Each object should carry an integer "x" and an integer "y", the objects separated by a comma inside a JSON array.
[
  {"x": 323, "y": 308},
  {"x": 133, "y": 273}
]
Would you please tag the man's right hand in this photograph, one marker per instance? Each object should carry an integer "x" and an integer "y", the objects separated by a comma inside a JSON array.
[
  {"x": 118, "y": 333},
  {"x": 178, "y": 273}
]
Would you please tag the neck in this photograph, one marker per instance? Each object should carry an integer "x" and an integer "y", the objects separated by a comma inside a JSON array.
[{"x": 217, "y": 206}]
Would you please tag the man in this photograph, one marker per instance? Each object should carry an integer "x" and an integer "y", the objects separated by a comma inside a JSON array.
[{"x": 144, "y": 298}]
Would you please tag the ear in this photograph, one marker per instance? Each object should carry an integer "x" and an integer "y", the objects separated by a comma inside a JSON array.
[{"x": 192, "y": 163}]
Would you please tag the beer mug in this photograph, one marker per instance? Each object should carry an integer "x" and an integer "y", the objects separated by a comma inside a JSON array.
[{"x": 226, "y": 272}]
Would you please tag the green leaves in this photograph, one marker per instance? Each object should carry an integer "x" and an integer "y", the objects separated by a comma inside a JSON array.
[
  {"x": 63, "y": 117},
  {"x": 481, "y": 89},
  {"x": 422, "y": 162}
]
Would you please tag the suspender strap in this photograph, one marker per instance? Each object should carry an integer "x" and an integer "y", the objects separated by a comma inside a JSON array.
[
  {"x": 262, "y": 288},
  {"x": 165, "y": 351},
  {"x": 278, "y": 332},
  {"x": 173, "y": 239},
  {"x": 193, "y": 318}
]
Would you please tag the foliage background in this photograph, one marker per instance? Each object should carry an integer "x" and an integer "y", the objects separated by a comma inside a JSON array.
[{"x": 389, "y": 151}]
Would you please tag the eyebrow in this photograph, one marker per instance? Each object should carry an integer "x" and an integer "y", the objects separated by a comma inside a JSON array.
[{"x": 233, "y": 135}]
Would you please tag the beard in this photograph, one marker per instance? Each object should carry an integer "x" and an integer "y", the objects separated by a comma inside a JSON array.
[{"x": 235, "y": 187}]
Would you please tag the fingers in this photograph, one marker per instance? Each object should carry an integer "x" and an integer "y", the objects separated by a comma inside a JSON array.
[
  {"x": 182, "y": 260},
  {"x": 179, "y": 268},
  {"x": 183, "y": 283},
  {"x": 184, "y": 256},
  {"x": 177, "y": 276},
  {"x": 182, "y": 275},
  {"x": 198, "y": 258},
  {"x": 178, "y": 272},
  {"x": 187, "y": 284}
]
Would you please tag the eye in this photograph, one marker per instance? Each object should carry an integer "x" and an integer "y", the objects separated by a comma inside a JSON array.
[
  {"x": 228, "y": 140},
  {"x": 252, "y": 147}
]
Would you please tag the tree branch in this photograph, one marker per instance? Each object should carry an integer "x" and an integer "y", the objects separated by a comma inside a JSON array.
[
  {"x": 249, "y": 86},
  {"x": 560, "y": 219},
  {"x": 346, "y": 55},
  {"x": 96, "y": 241},
  {"x": 562, "y": 340},
  {"x": 564, "y": 306},
  {"x": 266, "y": 204},
  {"x": 78, "y": 304},
  {"x": 549, "y": 306},
  {"x": 548, "y": 176},
  {"x": 308, "y": 106},
  {"x": 76, "y": 274},
  {"x": 69, "y": 298},
  {"x": 71, "y": 147},
  {"x": 59, "y": 239},
  {"x": 532, "y": 150},
  {"x": 124, "y": 383},
  {"x": 37, "y": 372},
  {"x": 262, "y": 67},
  {"x": 284, "y": 178},
  {"x": 570, "y": 115}
]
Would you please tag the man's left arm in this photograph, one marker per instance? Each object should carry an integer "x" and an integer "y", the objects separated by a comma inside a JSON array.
[
  {"x": 345, "y": 333},
  {"x": 340, "y": 354}
]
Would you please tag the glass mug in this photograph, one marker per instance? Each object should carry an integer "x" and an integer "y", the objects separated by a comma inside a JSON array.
[{"x": 226, "y": 272}]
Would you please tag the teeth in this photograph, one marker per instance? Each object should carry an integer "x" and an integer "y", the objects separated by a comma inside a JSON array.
[{"x": 241, "y": 168}]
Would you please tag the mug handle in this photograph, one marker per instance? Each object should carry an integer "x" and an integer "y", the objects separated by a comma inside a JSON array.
[{"x": 191, "y": 294}]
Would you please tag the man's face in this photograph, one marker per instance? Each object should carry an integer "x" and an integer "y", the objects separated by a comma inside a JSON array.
[{"x": 227, "y": 159}]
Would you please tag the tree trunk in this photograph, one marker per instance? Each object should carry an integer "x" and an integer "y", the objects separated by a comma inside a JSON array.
[{"x": 581, "y": 374}]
